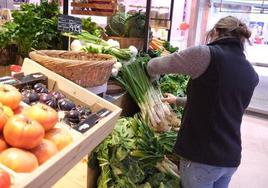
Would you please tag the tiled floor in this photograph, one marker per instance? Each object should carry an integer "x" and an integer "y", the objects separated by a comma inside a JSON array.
[{"x": 253, "y": 171}]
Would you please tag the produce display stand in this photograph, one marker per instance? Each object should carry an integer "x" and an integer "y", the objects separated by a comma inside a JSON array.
[{"x": 52, "y": 170}]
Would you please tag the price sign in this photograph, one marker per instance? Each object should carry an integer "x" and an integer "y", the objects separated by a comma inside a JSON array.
[
  {"x": 92, "y": 120},
  {"x": 69, "y": 24}
]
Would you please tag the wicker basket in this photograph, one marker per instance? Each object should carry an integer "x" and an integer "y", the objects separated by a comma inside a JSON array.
[
  {"x": 87, "y": 70},
  {"x": 126, "y": 42}
]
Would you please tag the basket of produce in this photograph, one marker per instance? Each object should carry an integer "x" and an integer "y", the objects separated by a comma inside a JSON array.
[{"x": 85, "y": 69}]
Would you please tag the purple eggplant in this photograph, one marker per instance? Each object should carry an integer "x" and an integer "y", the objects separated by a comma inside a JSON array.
[
  {"x": 73, "y": 116},
  {"x": 83, "y": 111},
  {"x": 66, "y": 104},
  {"x": 57, "y": 95},
  {"x": 44, "y": 97},
  {"x": 52, "y": 103},
  {"x": 31, "y": 95},
  {"x": 26, "y": 100},
  {"x": 40, "y": 88}
]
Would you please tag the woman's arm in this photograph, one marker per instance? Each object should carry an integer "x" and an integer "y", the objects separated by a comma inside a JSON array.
[
  {"x": 193, "y": 62},
  {"x": 181, "y": 101},
  {"x": 172, "y": 99}
]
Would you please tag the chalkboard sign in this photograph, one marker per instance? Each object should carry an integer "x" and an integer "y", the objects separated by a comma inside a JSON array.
[{"x": 69, "y": 24}]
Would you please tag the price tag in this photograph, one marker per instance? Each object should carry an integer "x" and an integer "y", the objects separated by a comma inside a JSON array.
[
  {"x": 69, "y": 24},
  {"x": 92, "y": 120}
]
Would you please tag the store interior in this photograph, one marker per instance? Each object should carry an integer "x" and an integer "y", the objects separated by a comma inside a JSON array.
[{"x": 78, "y": 68}]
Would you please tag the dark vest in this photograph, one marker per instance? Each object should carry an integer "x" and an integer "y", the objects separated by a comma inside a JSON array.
[{"x": 216, "y": 101}]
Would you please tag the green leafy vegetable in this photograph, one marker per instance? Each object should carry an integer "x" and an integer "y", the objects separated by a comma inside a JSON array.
[
  {"x": 116, "y": 25},
  {"x": 33, "y": 26},
  {"x": 119, "y": 169},
  {"x": 176, "y": 85},
  {"x": 169, "y": 47},
  {"x": 92, "y": 27},
  {"x": 125, "y": 25},
  {"x": 135, "y": 25}
]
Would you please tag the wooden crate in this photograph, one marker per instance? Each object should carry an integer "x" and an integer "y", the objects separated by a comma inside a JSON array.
[
  {"x": 95, "y": 7},
  {"x": 52, "y": 170}
]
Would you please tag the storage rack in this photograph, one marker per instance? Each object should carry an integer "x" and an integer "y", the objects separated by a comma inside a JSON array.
[{"x": 148, "y": 19}]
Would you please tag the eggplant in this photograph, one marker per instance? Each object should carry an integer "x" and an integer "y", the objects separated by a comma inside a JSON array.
[
  {"x": 26, "y": 100},
  {"x": 72, "y": 114},
  {"x": 83, "y": 111},
  {"x": 52, "y": 103},
  {"x": 66, "y": 104},
  {"x": 44, "y": 97},
  {"x": 31, "y": 95},
  {"x": 40, "y": 88},
  {"x": 57, "y": 95}
]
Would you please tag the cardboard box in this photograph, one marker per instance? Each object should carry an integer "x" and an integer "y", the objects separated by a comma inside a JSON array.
[{"x": 53, "y": 169}]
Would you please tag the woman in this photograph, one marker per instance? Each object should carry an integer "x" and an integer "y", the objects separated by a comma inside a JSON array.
[{"x": 221, "y": 86}]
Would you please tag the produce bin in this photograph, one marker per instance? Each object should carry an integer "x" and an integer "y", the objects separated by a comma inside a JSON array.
[{"x": 52, "y": 170}]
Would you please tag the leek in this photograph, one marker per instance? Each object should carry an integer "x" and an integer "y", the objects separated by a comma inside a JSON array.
[
  {"x": 135, "y": 80},
  {"x": 97, "y": 45}
]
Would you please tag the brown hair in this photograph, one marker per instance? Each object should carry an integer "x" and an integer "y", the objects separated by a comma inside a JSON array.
[{"x": 229, "y": 27}]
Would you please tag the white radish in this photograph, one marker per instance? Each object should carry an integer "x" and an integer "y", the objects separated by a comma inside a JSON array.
[
  {"x": 113, "y": 43},
  {"x": 133, "y": 50},
  {"x": 117, "y": 65},
  {"x": 115, "y": 72},
  {"x": 76, "y": 45}
]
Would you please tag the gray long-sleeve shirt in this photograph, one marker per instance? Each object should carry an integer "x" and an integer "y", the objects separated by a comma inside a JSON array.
[{"x": 192, "y": 61}]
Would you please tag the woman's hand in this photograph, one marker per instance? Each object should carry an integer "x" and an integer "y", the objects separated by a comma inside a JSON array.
[{"x": 169, "y": 98}]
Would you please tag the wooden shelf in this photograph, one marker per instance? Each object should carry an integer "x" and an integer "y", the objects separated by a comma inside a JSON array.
[
  {"x": 95, "y": 8},
  {"x": 161, "y": 25},
  {"x": 107, "y": 6},
  {"x": 92, "y": 13}
]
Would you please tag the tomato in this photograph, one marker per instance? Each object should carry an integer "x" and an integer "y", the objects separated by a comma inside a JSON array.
[
  {"x": 4, "y": 179},
  {"x": 60, "y": 137},
  {"x": 22, "y": 132},
  {"x": 10, "y": 96},
  {"x": 45, "y": 150},
  {"x": 8, "y": 111},
  {"x": 3, "y": 118},
  {"x": 3, "y": 144},
  {"x": 18, "y": 160},
  {"x": 19, "y": 109},
  {"x": 44, "y": 114}
]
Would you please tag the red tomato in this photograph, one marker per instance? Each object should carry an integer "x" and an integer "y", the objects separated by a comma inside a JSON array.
[
  {"x": 44, "y": 114},
  {"x": 3, "y": 118},
  {"x": 4, "y": 179},
  {"x": 22, "y": 132},
  {"x": 60, "y": 137},
  {"x": 19, "y": 160},
  {"x": 10, "y": 96},
  {"x": 3, "y": 144},
  {"x": 45, "y": 150}
]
